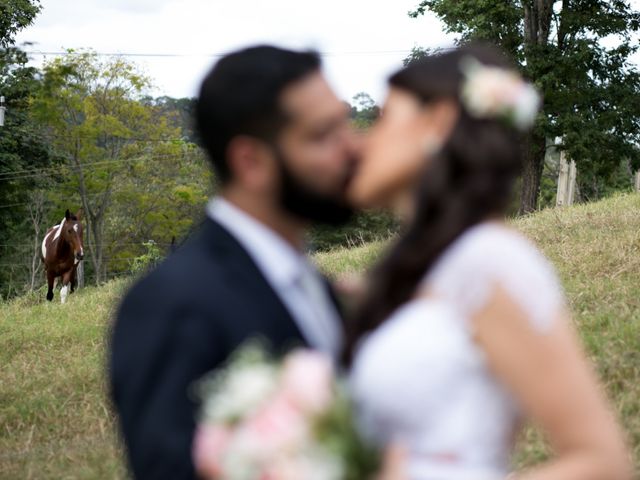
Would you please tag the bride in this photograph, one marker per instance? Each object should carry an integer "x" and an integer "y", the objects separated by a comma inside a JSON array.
[{"x": 464, "y": 331}]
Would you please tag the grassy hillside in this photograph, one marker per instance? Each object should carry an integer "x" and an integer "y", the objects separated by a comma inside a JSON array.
[{"x": 55, "y": 419}]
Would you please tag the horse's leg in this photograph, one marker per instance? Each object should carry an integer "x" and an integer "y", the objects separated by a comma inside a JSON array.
[
  {"x": 66, "y": 279},
  {"x": 50, "y": 279},
  {"x": 74, "y": 278}
]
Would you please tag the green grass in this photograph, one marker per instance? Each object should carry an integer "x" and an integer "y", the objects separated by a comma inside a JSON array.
[
  {"x": 54, "y": 414},
  {"x": 56, "y": 421}
]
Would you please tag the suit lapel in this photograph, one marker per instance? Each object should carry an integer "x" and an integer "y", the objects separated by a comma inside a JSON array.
[{"x": 245, "y": 274}]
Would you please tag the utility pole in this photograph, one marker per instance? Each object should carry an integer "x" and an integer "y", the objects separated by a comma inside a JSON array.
[{"x": 2, "y": 110}]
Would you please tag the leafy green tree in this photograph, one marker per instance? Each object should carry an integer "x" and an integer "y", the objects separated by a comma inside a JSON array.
[
  {"x": 364, "y": 110},
  {"x": 160, "y": 199},
  {"x": 179, "y": 112},
  {"x": 14, "y": 16},
  {"x": 23, "y": 154},
  {"x": 116, "y": 148},
  {"x": 417, "y": 53},
  {"x": 578, "y": 53},
  {"x": 17, "y": 82},
  {"x": 22, "y": 148}
]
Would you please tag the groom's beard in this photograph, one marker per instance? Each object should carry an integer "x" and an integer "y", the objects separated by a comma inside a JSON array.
[{"x": 305, "y": 202}]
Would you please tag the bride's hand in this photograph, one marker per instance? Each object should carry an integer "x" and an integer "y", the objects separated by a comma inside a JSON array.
[
  {"x": 350, "y": 286},
  {"x": 395, "y": 464}
]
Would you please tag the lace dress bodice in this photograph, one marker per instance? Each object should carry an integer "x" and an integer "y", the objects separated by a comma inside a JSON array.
[{"x": 421, "y": 381}]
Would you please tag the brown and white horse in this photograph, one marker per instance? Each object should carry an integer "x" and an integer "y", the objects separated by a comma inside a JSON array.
[{"x": 62, "y": 250}]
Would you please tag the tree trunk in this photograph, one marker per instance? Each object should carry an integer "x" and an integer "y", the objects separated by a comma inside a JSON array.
[
  {"x": 530, "y": 24},
  {"x": 537, "y": 26},
  {"x": 95, "y": 247},
  {"x": 532, "y": 165},
  {"x": 95, "y": 215},
  {"x": 544, "y": 17},
  {"x": 36, "y": 210}
]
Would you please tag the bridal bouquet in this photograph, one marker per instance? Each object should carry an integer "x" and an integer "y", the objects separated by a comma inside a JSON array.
[{"x": 289, "y": 420}]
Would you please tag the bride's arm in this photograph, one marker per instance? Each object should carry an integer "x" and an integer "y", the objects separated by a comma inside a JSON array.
[{"x": 551, "y": 378}]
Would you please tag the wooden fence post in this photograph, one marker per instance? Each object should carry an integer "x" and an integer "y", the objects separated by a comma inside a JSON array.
[
  {"x": 566, "y": 191},
  {"x": 637, "y": 182},
  {"x": 571, "y": 187},
  {"x": 80, "y": 273},
  {"x": 563, "y": 178}
]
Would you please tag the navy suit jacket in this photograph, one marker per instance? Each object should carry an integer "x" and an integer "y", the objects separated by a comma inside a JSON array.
[{"x": 176, "y": 324}]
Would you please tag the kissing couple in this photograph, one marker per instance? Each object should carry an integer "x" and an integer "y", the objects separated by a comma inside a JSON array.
[{"x": 461, "y": 330}]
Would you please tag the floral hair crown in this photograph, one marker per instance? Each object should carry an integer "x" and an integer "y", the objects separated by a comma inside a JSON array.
[{"x": 497, "y": 93}]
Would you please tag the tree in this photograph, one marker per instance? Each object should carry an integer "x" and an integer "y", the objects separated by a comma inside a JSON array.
[
  {"x": 417, "y": 53},
  {"x": 179, "y": 111},
  {"x": 14, "y": 16},
  {"x": 97, "y": 122},
  {"x": 22, "y": 149},
  {"x": 23, "y": 155},
  {"x": 364, "y": 110},
  {"x": 577, "y": 52},
  {"x": 159, "y": 200}
]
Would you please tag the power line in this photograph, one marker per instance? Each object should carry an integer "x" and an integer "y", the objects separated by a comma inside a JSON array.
[
  {"x": 141, "y": 140},
  {"x": 114, "y": 137},
  {"x": 10, "y": 176},
  {"x": 63, "y": 53},
  {"x": 50, "y": 202}
]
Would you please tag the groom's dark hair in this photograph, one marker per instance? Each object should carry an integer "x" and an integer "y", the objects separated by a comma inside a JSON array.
[{"x": 241, "y": 96}]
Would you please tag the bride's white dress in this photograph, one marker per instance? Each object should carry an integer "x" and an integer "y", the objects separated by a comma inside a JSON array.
[{"x": 421, "y": 381}]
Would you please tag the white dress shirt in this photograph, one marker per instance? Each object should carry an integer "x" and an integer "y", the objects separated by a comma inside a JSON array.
[{"x": 293, "y": 278}]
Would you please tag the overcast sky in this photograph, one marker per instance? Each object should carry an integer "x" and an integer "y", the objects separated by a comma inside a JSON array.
[{"x": 364, "y": 40}]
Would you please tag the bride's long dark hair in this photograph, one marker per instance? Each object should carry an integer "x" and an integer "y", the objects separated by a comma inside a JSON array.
[{"x": 469, "y": 181}]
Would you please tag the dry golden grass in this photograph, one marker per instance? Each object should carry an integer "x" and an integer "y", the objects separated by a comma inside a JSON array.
[
  {"x": 596, "y": 249},
  {"x": 56, "y": 421}
]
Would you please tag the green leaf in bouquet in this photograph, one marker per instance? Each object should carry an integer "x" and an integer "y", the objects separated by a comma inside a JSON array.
[{"x": 338, "y": 433}]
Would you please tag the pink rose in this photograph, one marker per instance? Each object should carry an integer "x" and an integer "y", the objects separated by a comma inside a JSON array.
[
  {"x": 307, "y": 381},
  {"x": 209, "y": 444},
  {"x": 277, "y": 426}
]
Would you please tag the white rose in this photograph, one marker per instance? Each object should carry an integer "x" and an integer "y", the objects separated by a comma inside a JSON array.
[
  {"x": 244, "y": 391},
  {"x": 493, "y": 92}
]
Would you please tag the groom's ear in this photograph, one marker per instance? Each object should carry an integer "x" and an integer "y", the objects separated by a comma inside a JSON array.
[{"x": 251, "y": 163}]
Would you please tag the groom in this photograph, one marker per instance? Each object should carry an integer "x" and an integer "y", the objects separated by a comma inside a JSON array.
[{"x": 281, "y": 148}]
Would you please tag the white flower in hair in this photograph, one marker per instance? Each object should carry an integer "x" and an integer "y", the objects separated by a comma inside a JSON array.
[{"x": 493, "y": 92}]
